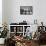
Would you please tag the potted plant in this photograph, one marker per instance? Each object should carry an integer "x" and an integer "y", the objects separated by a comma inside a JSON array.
[{"x": 3, "y": 34}]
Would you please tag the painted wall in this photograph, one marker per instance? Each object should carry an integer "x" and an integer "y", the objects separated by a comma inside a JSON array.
[
  {"x": 4, "y": 11},
  {"x": 16, "y": 11},
  {"x": 0, "y": 13},
  {"x": 12, "y": 11}
]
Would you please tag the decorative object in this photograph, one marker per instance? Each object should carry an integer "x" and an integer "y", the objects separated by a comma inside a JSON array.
[
  {"x": 26, "y": 10},
  {"x": 35, "y": 21},
  {"x": 28, "y": 33},
  {"x": 2, "y": 40},
  {"x": 4, "y": 32}
]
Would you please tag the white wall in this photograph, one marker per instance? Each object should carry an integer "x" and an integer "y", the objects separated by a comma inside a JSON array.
[
  {"x": 4, "y": 11},
  {"x": 0, "y": 13},
  {"x": 12, "y": 11}
]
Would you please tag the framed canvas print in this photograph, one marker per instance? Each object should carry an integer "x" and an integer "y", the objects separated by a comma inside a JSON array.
[{"x": 26, "y": 10}]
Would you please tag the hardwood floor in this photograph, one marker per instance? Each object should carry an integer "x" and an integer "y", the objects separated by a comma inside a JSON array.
[
  {"x": 1, "y": 44},
  {"x": 42, "y": 45}
]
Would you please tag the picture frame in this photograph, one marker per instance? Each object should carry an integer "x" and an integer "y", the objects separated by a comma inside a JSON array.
[{"x": 26, "y": 10}]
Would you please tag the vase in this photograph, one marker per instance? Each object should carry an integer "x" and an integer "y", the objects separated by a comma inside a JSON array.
[{"x": 2, "y": 40}]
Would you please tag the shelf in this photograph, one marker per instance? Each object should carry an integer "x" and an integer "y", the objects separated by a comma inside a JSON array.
[
  {"x": 18, "y": 28},
  {"x": 19, "y": 32},
  {"x": 12, "y": 32},
  {"x": 16, "y": 32},
  {"x": 19, "y": 25}
]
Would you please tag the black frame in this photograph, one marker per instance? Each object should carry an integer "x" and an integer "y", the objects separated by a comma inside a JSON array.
[{"x": 26, "y": 10}]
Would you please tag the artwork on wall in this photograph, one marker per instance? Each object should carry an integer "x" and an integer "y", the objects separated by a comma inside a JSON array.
[{"x": 26, "y": 10}]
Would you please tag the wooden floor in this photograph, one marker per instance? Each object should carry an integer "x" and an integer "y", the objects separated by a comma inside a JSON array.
[
  {"x": 42, "y": 45},
  {"x": 32, "y": 45},
  {"x": 2, "y": 45}
]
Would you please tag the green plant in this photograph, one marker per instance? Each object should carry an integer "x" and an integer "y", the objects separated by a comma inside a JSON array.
[{"x": 4, "y": 32}]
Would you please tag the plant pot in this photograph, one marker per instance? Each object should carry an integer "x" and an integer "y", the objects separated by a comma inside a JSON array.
[{"x": 2, "y": 40}]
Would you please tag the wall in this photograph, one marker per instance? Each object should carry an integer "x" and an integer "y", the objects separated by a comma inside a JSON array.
[
  {"x": 4, "y": 11},
  {"x": 17, "y": 15},
  {"x": 12, "y": 11},
  {"x": 0, "y": 13}
]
